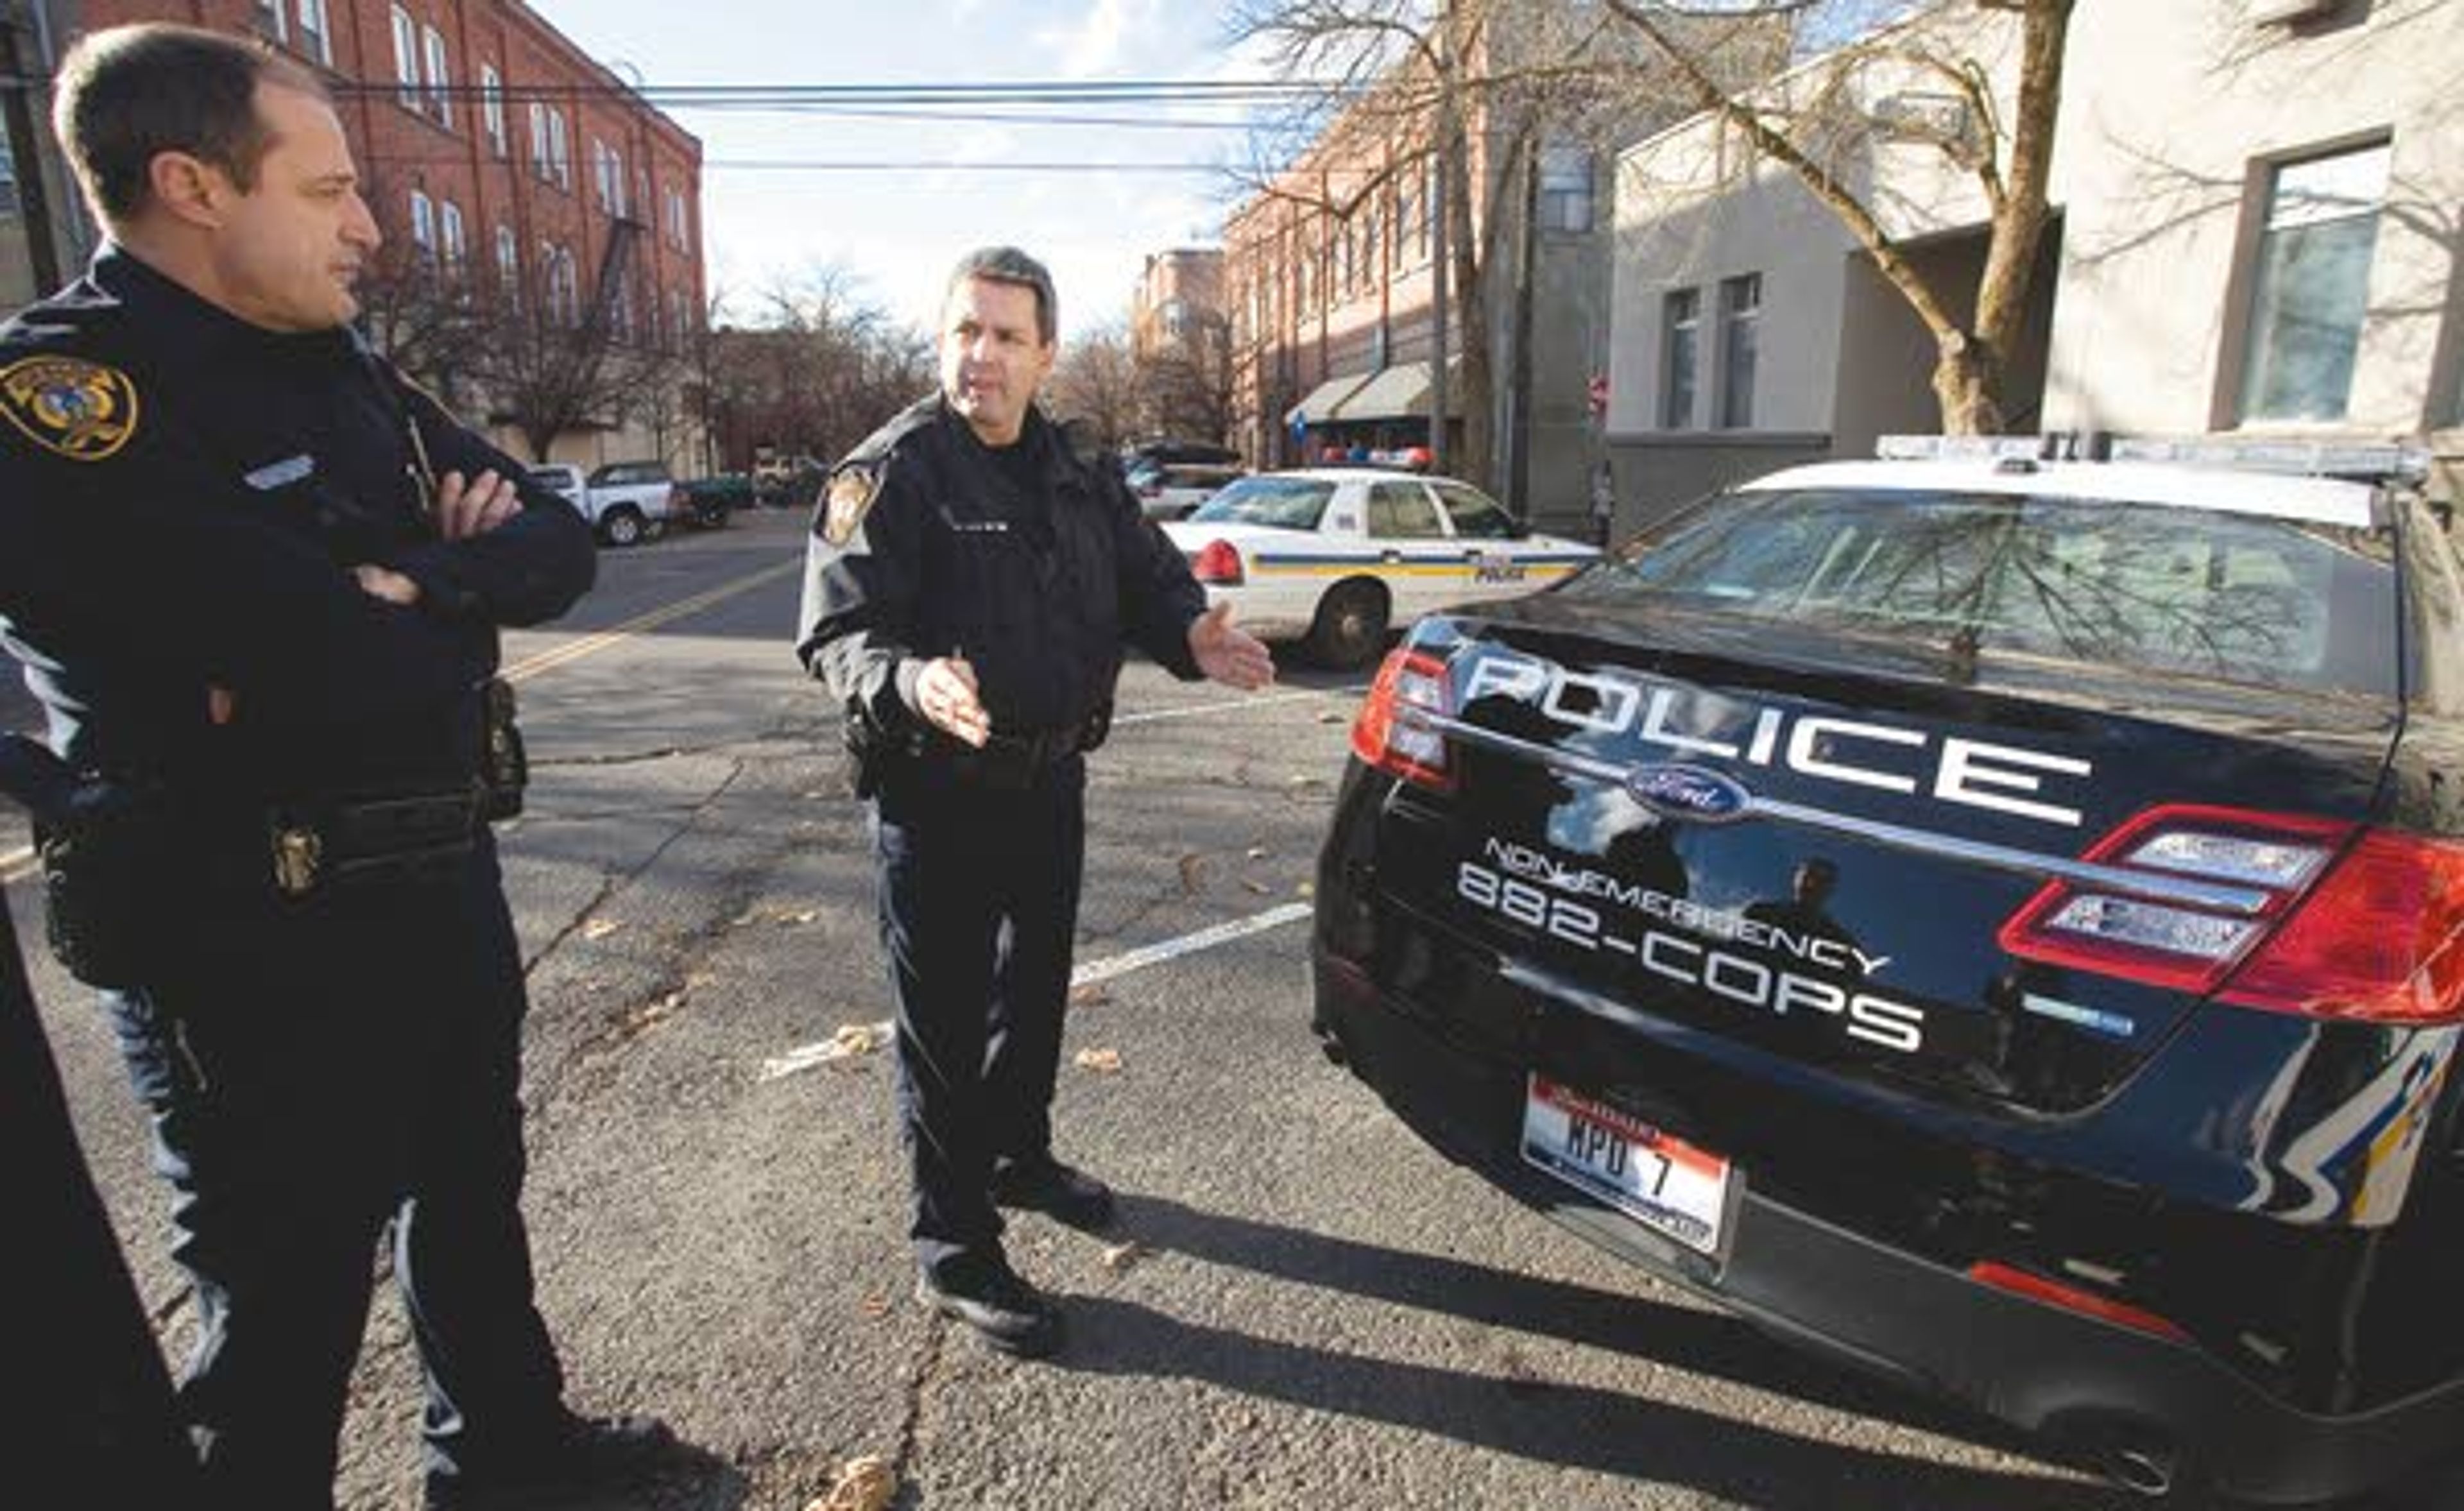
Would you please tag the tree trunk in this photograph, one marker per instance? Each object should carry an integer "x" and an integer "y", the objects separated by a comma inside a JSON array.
[
  {"x": 1474, "y": 387},
  {"x": 1967, "y": 385}
]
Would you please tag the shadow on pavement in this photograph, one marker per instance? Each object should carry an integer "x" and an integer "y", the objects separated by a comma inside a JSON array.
[{"x": 1661, "y": 1440}]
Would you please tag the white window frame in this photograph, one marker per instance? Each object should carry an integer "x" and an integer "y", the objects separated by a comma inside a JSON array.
[
  {"x": 1740, "y": 316},
  {"x": 559, "y": 147},
  {"x": 262, "y": 12},
  {"x": 2333, "y": 199},
  {"x": 406, "y": 59},
  {"x": 423, "y": 224},
  {"x": 1681, "y": 352},
  {"x": 316, "y": 31},
  {"x": 492, "y": 108},
  {"x": 509, "y": 267},
  {"x": 451, "y": 240},
  {"x": 440, "y": 78}
]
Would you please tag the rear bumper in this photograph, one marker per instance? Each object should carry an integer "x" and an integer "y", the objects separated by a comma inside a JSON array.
[{"x": 2089, "y": 1385}]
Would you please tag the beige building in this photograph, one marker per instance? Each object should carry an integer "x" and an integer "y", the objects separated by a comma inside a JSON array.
[{"x": 2256, "y": 232}]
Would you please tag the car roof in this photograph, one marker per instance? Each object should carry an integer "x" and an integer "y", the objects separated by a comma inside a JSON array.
[
  {"x": 2275, "y": 496},
  {"x": 1345, "y": 474}
]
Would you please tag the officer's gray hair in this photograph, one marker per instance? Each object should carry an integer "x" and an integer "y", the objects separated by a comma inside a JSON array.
[{"x": 1009, "y": 264}]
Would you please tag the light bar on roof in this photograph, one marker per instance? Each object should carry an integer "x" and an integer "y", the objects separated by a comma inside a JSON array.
[
  {"x": 1963, "y": 448},
  {"x": 2310, "y": 458}
]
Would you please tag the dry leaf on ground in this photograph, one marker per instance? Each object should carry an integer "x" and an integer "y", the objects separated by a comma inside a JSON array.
[
  {"x": 1120, "y": 1256},
  {"x": 1256, "y": 887},
  {"x": 1193, "y": 873},
  {"x": 1103, "y": 1061},
  {"x": 600, "y": 927},
  {"x": 1333, "y": 717},
  {"x": 864, "y": 1485},
  {"x": 1256, "y": 852},
  {"x": 1094, "y": 993}
]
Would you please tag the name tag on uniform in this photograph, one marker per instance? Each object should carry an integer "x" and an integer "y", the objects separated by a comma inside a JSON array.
[
  {"x": 282, "y": 474},
  {"x": 980, "y": 527}
]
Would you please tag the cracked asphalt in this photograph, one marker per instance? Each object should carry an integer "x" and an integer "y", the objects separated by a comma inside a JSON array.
[{"x": 1320, "y": 1310}]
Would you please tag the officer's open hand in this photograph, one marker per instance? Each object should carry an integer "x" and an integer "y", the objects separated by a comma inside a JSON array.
[
  {"x": 464, "y": 510},
  {"x": 1233, "y": 657},
  {"x": 946, "y": 694}
]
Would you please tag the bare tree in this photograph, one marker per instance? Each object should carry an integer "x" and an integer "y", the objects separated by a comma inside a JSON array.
[
  {"x": 1816, "y": 130},
  {"x": 1095, "y": 383},
  {"x": 816, "y": 371}
]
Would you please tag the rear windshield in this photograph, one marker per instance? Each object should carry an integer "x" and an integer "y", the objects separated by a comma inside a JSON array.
[
  {"x": 2139, "y": 588},
  {"x": 1295, "y": 503}
]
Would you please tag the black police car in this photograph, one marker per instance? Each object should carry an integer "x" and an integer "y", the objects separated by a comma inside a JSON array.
[{"x": 1993, "y": 918}]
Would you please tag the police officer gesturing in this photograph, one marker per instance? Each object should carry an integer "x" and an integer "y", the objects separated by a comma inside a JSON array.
[
  {"x": 256, "y": 581},
  {"x": 971, "y": 581}
]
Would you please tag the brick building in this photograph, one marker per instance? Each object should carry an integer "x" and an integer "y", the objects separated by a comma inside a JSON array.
[
  {"x": 502, "y": 162},
  {"x": 1180, "y": 341}
]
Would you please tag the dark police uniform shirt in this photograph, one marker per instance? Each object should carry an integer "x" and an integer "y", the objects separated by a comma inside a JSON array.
[
  {"x": 183, "y": 496},
  {"x": 1032, "y": 563}
]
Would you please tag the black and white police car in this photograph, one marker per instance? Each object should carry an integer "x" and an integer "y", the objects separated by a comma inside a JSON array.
[{"x": 1994, "y": 917}]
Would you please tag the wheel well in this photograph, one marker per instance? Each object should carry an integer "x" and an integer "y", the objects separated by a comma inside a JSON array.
[{"x": 1375, "y": 586}]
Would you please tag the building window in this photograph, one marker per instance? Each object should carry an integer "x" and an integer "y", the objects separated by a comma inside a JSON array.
[
  {"x": 607, "y": 166},
  {"x": 406, "y": 59},
  {"x": 1433, "y": 199},
  {"x": 440, "y": 80},
  {"x": 492, "y": 107},
  {"x": 449, "y": 225},
  {"x": 549, "y": 148},
  {"x": 1566, "y": 188},
  {"x": 315, "y": 37},
  {"x": 509, "y": 268},
  {"x": 1681, "y": 317},
  {"x": 267, "y": 16},
  {"x": 564, "y": 288},
  {"x": 423, "y": 226},
  {"x": 2312, "y": 286},
  {"x": 1740, "y": 310},
  {"x": 676, "y": 238}
]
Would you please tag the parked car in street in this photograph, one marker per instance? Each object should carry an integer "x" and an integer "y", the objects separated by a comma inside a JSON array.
[
  {"x": 626, "y": 502},
  {"x": 1336, "y": 556},
  {"x": 1996, "y": 918},
  {"x": 1175, "y": 490},
  {"x": 709, "y": 500}
]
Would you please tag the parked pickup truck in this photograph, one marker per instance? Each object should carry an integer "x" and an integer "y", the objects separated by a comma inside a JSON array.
[{"x": 626, "y": 502}]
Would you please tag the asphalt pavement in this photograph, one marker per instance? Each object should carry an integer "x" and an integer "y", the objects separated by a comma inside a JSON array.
[{"x": 1302, "y": 1306}]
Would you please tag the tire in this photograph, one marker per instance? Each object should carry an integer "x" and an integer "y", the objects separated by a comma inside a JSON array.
[
  {"x": 1350, "y": 629},
  {"x": 621, "y": 527}
]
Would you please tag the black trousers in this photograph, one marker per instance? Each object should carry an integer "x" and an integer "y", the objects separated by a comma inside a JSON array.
[
  {"x": 313, "y": 1075},
  {"x": 977, "y": 888},
  {"x": 82, "y": 1391}
]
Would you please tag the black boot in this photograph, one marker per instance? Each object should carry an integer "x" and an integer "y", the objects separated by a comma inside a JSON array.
[
  {"x": 584, "y": 1454},
  {"x": 987, "y": 1295},
  {"x": 1043, "y": 1184}
]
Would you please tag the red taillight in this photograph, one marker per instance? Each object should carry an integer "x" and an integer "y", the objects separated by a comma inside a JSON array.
[
  {"x": 1387, "y": 736},
  {"x": 2070, "y": 1298},
  {"x": 2123, "y": 932},
  {"x": 2366, "y": 926},
  {"x": 2380, "y": 939},
  {"x": 1218, "y": 564}
]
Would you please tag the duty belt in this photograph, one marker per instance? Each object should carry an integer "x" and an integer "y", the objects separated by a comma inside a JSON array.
[
  {"x": 1020, "y": 758},
  {"x": 327, "y": 843}
]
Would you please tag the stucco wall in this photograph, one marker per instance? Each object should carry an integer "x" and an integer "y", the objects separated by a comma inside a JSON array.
[{"x": 2173, "y": 116}]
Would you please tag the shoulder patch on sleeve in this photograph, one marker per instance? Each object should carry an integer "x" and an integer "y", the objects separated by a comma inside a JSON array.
[
  {"x": 68, "y": 405},
  {"x": 852, "y": 489}
]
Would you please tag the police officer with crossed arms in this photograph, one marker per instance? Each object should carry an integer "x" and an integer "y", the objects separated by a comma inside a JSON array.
[
  {"x": 971, "y": 581},
  {"x": 255, "y": 580}
]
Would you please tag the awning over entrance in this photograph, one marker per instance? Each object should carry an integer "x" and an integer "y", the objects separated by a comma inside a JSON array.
[
  {"x": 1401, "y": 392},
  {"x": 1323, "y": 400}
]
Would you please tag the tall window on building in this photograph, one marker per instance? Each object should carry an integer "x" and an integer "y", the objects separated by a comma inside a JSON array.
[
  {"x": 1741, "y": 313},
  {"x": 440, "y": 80},
  {"x": 2312, "y": 283},
  {"x": 563, "y": 287},
  {"x": 607, "y": 166},
  {"x": 449, "y": 240},
  {"x": 676, "y": 236},
  {"x": 492, "y": 108},
  {"x": 406, "y": 59},
  {"x": 560, "y": 149},
  {"x": 1566, "y": 188},
  {"x": 1408, "y": 208},
  {"x": 267, "y": 16},
  {"x": 423, "y": 226},
  {"x": 509, "y": 268},
  {"x": 1680, "y": 318},
  {"x": 315, "y": 37}
]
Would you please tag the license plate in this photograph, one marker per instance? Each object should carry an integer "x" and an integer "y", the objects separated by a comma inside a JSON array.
[{"x": 1660, "y": 1181}]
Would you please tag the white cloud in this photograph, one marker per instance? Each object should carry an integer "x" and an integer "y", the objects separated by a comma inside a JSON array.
[{"x": 1103, "y": 40}]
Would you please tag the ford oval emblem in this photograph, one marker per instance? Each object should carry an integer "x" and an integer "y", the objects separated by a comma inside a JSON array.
[{"x": 1688, "y": 792}]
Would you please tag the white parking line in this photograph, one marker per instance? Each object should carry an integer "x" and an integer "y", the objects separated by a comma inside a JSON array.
[
  {"x": 805, "y": 1057},
  {"x": 1235, "y": 704}
]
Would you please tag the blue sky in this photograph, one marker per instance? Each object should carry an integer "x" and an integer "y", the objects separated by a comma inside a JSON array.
[{"x": 896, "y": 232}]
